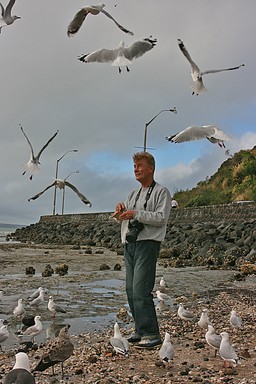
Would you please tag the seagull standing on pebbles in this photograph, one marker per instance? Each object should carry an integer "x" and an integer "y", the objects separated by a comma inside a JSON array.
[
  {"x": 4, "y": 334},
  {"x": 213, "y": 339},
  {"x": 7, "y": 18},
  {"x": 121, "y": 56},
  {"x": 57, "y": 352},
  {"x": 54, "y": 308},
  {"x": 197, "y": 76},
  {"x": 163, "y": 283},
  {"x": 19, "y": 310},
  {"x": 32, "y": 164},
  {"x": 204, "y": 320},
  {"x": 38, "y": 300},
  {"x": 185, "y": 314},
  {"x": 209, "y": 132},
  {"x": 235, "y": 320},
  {"x": 166, "y": 352},
  {"x": 21, "y": 371},
  {"x": 161, "y": 296},
  {"x": 80, "y": 16},
  {"x": 118, "y": 342},
  {"x": 34, "y": 330},
  {"x": 36, "y": 293},
  {"x": 227, "y": 351}
]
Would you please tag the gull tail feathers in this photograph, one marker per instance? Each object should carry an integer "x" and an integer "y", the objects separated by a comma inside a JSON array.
[
  {"x": 43, "y": 364},
  {"x": 198, "y": 87}
]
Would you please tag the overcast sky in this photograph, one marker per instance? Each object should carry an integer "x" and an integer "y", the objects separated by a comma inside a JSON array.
[{"x": 102, "y": 113}]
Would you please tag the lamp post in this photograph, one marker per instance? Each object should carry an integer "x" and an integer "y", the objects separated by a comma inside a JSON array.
[
  {"x": 56, "y": 177},
  {"x": 63, "y": 194},
  {"x": 174, "y": 110}
]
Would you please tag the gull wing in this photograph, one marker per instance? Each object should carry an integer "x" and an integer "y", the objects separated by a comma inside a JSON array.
[
  {"x": 183, "y": 49},
  {"x": 221, "y": 70},
  {"x": 138, "y": 48},
  {"x": 58, "y": 308},
  {"x": 40, "y": 193},
  {"x": 214, "y": 132},
  {"x": 80, "y": 195},
  {"x": 190, "y": 134},
  {"x": 77, "y": 22},
  {"x": 29, "y": 143},
  {"x": 228, "y": 352},
  {"x": 119, "y": 25},
  {"x": 213, "y": 340},
  {"x": 100, "y": 56},
  {"x": 2, "y": 9},
  {"x": 48, "y": 142},
  {"x": 8, "y": 9},
  {"x": 120, "y": 345}
]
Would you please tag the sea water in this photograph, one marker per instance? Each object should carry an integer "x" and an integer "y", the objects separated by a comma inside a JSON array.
[{"x": 6, "y": 229}]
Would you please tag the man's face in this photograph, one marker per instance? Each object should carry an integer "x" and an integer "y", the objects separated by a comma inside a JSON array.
[{"x": 143, "y": 171}]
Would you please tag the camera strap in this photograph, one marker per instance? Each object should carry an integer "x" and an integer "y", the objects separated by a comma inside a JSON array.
[{"x": 150, "y": 189}]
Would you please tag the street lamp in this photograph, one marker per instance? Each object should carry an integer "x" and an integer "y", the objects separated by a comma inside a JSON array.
[
  {"x": 63, "y": 194},
  {"x": 56, "y": 177},
  {"x": 174, "y": 110}
]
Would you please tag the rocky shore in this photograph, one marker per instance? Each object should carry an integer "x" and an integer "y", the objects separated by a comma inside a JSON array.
[{"x": 218, "y": 244}]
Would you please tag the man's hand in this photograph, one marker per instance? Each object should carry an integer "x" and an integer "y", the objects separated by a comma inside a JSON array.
[
  {"x": 120, "y": 207},
  {"x": 127, "y": 215}
]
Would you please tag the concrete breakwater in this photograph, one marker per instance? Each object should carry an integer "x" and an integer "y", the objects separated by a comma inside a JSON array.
[{"x": 220, "y": 236}]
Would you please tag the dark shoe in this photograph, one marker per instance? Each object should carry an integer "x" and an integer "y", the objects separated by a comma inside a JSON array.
[
  {"x": 134, "y": 338},
  {"x": 148, "y": 343}
]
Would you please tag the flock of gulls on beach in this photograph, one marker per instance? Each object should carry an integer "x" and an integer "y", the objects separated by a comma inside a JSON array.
[
  {"x": 61, "y": 348},
  {"x": 58, "y": 349},
  {"x": 122, "y": 57},
  {"x": 29, "y": 327}
]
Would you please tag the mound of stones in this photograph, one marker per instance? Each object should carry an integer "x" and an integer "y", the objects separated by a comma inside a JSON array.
[{"x": 218, "y": 244}]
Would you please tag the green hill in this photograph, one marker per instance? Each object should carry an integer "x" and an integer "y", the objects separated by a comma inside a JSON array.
[{"x": 235, "y": 180}]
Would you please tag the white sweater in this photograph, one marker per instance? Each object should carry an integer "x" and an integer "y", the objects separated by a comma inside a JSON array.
[{"x": 154, "y": 217}]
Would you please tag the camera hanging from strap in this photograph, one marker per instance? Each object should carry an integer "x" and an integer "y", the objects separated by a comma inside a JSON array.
[{"x": 150, "y": 189}]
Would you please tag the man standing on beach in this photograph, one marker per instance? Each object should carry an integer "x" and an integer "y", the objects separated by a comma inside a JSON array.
[{"x": 144, "y": 216}]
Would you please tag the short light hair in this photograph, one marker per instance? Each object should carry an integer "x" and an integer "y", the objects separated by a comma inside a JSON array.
[{"x": 144, "y": 155}]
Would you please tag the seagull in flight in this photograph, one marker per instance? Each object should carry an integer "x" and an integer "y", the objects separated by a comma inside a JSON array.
[
  {"x": 7, "y": 18},
  {"x": 32, "y": 164},
  {"x": 121, "y": 56},
  {"x": 197, "y": 75},
  {"x": 80, "y": 16},
  {"x": 209, "y": 132},
  {"x": 62, "y": 184}
]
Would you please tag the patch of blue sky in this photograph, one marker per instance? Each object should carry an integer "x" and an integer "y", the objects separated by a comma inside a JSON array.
[{"x": 105, "y": 162}]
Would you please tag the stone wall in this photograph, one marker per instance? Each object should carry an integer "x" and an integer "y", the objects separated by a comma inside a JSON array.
[{"x": 237, "y": 212}]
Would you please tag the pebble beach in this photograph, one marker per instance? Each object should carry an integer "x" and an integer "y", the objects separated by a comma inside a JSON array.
[{"x": 93, "y": 359}]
